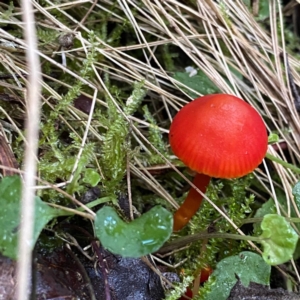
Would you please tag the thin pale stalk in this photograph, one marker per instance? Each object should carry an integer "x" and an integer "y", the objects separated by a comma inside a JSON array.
[{"x": 32, "y": 130}]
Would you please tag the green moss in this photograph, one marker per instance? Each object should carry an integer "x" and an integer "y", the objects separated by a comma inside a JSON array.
[
  {"x": 116, "y": 143},
  {"x": 155, "y": 138},
  {"x": 179, "y": 289},
  {"x": 6, "y": 14},
  {"x": 46, "y": 36},
  {"x": 168, "y": 57}
]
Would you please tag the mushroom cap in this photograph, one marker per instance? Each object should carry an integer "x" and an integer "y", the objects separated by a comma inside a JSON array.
[{"x": 219, "y": 135}]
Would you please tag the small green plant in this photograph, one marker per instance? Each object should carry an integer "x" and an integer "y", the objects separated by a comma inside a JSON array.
[
  {"x": 138, "y": 238},
  {"x": 279, "y": 239},
  {"x": 247, "y": 266},
  {"x": 199, "y": 83},
  {"x": 116, "y": 144},
  {"x": 10, "y": 196}
]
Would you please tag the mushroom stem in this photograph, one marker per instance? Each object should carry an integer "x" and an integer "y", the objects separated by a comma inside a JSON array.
[{"x": 192, "y": 202}]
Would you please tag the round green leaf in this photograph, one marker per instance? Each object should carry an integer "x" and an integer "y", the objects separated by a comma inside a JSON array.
[
  {"x": 279, "y": 239},
  {"x": 137, "y": 238}
]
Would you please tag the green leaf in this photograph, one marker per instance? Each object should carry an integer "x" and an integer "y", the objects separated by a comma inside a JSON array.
[
  {"x": 296, "y": 193},
  {"x": 263, "y": 10},
  {"x": 137, "y": 238},
  {"x": 267, "y": 208},
  {"x": 200, "y": 83},
  {"x": 248, "y": 266},
  {"x": 273, "y": 138},
  {"x": 91, "y": 177},
  {"x": 10, "y": 195},
  {"x": 279, "y": 239}
]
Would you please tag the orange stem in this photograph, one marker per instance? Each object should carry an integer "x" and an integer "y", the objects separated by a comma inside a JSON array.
[{"x": 192, "y": 202}]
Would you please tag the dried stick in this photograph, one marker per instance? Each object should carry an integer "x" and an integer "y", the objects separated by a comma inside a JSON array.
[{"x": 32, "y": 125}]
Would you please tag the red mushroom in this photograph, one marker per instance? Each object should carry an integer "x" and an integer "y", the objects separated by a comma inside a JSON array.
[{"x": 217, "y": 136}]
